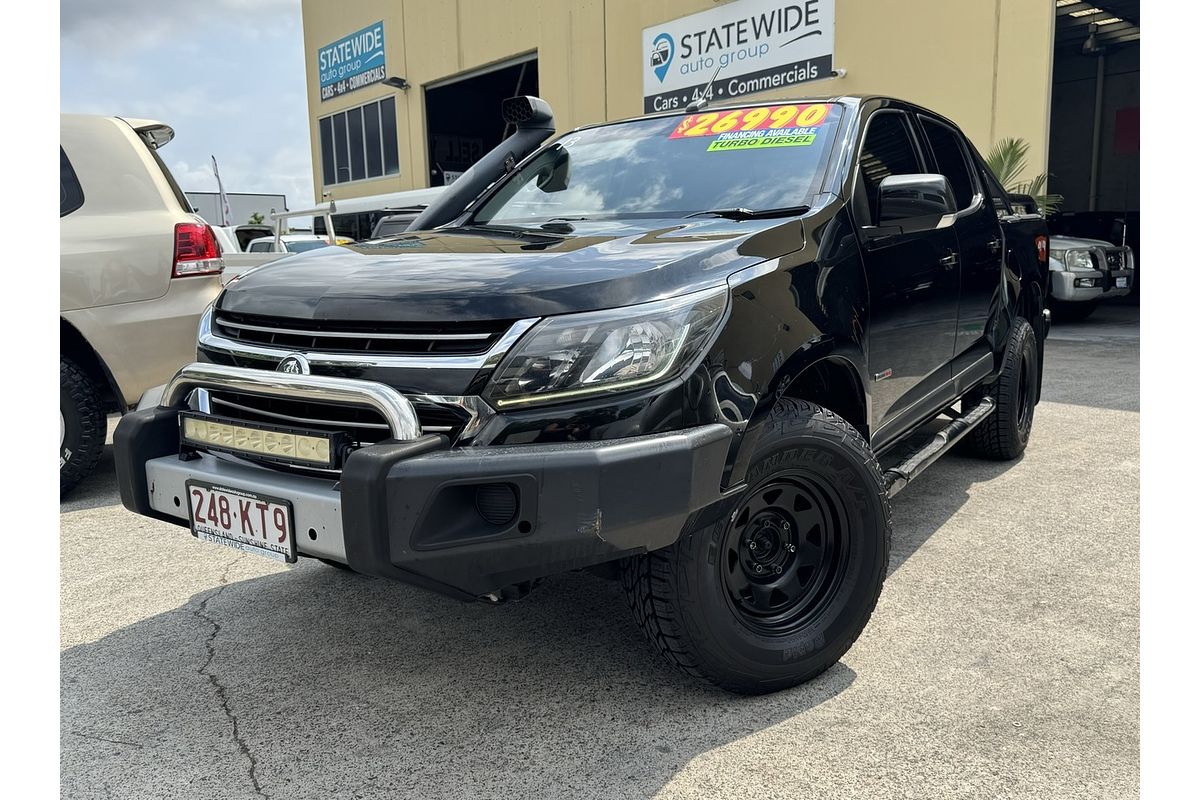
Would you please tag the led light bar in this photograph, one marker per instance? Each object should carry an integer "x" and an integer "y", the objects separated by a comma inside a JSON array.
[
  {"x": 1109, "y": 21},
  {"x": 1086, "y": 12},
  {"x": 1061, "y": 3},
  {"x": 261, "y": 441}
]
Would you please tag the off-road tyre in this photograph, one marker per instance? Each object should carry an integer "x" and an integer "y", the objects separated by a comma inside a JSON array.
[
  {"x": 83, "y": 427},
  {"x": 1004, "y": 435},
  {"x": 684, "y": 597}
]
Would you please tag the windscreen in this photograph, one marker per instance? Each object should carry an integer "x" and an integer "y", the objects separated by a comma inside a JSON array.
[{"x": 757, "y": 157}]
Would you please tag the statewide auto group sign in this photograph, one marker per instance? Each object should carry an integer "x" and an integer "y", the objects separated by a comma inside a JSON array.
[
  {"x": 755, "y": 44},
  {"x": 352, "y": 62}
]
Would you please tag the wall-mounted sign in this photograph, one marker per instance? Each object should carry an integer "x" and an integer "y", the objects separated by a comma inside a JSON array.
[
  {"x": 351, "y": 62},
  {"x": 756, "y": 44}
]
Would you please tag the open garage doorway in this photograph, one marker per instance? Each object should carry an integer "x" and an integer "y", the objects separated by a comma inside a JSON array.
[
  {"x": 462, "y": 114},
  {"x": 1094, "y": 160}
]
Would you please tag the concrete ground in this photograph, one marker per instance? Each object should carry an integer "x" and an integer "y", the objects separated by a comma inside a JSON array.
[{"x": 1002, "y": 661}]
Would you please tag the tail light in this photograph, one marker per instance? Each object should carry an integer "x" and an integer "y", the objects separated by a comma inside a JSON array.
[{"x": 196, "y": 251}]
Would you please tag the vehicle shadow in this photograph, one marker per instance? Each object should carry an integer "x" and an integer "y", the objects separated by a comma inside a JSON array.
[{"x": 319, "y": 683}]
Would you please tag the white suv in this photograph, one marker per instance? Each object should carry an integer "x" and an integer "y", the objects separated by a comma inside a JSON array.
[{"x": 137, "y": 269}]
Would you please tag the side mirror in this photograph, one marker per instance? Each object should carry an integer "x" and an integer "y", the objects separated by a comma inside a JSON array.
[
  {"x": 914, "y": 202},
  {"x": 556, "y": 176}
]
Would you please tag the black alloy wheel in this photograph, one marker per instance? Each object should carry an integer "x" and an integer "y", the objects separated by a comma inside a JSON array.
[{"x": 785, "y": 553}]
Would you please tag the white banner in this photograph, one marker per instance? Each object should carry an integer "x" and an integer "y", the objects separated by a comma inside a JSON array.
[
  {"x": 756, "y": 44},
  {"x": 226, "y": 215}
]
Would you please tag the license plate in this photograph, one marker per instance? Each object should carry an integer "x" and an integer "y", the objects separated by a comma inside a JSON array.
[
  {"x": 1123, "y": 283},
  {"x": 247, "y": 521}
]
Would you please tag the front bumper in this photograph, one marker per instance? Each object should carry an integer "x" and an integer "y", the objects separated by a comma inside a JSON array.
[
  {"x": 408, "y": 510},
  {"x": 1063, "y": 286}
]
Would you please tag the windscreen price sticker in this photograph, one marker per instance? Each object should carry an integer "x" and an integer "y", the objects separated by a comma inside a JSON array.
[{"x": 747, "y": 128}]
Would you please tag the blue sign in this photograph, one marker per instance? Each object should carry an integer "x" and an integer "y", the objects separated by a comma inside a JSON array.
[{"x": 352, "y": 62}]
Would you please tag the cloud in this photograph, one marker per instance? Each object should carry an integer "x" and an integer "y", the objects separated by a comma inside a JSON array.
[
  {"x": 118, "y": 25},
  {"x": 285, "y": 170},
  {"x": 228, "y": 76}
]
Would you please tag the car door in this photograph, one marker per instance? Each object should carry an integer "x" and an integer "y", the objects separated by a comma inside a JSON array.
[
  {"x": 913, "y": 281},
  {"x": 980, "y": 240}
]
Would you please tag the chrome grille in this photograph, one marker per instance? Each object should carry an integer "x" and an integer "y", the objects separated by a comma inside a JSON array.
[
  {"x": 386, "y": 338},
  {"x": 364, "y": 425}
]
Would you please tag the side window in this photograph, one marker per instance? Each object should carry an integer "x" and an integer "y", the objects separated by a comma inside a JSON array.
[
  {"x": 70, "y": 192},
  {"x": 260, "y": 247},
  {"x": 887, "y": 149},
  {"x": 951, "y": 160}
]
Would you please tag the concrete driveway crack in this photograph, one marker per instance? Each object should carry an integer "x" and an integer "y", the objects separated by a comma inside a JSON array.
[
  {"x": 201, "y": 612},
  {"x": 104, "y": 739}
]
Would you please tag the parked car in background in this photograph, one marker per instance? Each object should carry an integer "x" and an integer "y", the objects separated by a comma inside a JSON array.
[
  {"x": 1113, "y": 228},
  {"x": 292, "y": 243},
  {"x": 1083, "y": 272},
  {"x": 267, "y": 243},
  {"x": 137, "y": 269},
  {"x": 396, "y": 223},
  {"x": 358, "y": 217},
  {"x": 245, "y": 234}
]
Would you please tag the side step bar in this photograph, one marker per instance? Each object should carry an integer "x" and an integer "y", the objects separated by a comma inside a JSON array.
[{"x": 899, "y": 476}]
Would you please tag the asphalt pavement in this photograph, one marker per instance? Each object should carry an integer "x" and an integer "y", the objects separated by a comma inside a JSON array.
[{"x": 1002, "y": 661}]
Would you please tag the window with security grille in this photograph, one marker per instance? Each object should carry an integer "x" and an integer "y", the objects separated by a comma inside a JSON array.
[{"x": 360, "y": 143}]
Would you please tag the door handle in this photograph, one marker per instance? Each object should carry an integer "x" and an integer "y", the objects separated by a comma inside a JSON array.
[
  {"x": 994, "y": 246},
  {"x": 949, "y": 261}
]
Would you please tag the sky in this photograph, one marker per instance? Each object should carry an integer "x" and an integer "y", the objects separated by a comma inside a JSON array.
[{"x": 227, "y": 75}]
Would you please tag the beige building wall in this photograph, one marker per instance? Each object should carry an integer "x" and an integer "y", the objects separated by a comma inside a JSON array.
[{"x": 984, "y": 63}]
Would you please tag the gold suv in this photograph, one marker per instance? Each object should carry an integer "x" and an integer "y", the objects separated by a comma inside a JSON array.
[{"x": 137, "y": 269}]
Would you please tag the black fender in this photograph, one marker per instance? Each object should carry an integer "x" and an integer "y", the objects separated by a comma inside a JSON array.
[{"x": 787, "y": 316}]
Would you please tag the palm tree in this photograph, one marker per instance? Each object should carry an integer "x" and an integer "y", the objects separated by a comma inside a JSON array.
[{"x": 1007, "y": 161}]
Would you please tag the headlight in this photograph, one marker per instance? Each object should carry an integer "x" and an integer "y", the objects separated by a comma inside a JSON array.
[
  {"x": 1074, "y": 260},
  {"x": 578, "y": 355}
]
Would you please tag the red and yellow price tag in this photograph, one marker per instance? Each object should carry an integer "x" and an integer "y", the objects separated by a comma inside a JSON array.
[{"x": 714, "y": 123}]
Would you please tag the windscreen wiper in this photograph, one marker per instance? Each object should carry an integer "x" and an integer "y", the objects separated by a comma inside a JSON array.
[
  {"x": 518, "y": 231},
  {"x": 753, "y": 213}
]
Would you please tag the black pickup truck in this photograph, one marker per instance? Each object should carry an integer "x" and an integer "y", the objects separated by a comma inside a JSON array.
[{"x": 696, "y": 351}]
